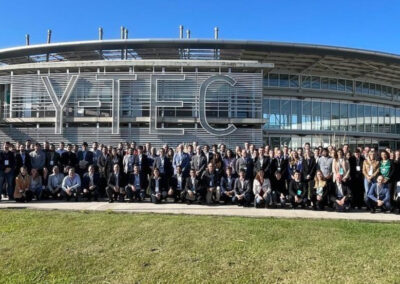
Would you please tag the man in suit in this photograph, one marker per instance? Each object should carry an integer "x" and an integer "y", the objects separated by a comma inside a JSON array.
[
  {"x": 38, "y": 158},
  {"x": 177, "y": 186},
  {"x": 192, "y": 188},
  {"x": 210, "y": 183},
  {"x": 137, "y": 185},
  {"x": 262, "y": 163},
  {"x": 52, "y": 158},
  {"x": 227, "y": 184},
  {"x": 116, "y": 185},
  {"x": 199, "y": 162},
  {"x": 207, "y": 154},
  {"x": 85, "y": 158},
  {"x": 7, "y": 168},
  {"x": 163, "y": 164},
  {"x": 157, "y": 187},
  {"x": 340, "y": 195},
  {"x": 91, "y": 184},
  {"x": 142, "y": 162},
  {"x": 181, "y": 159},
  {"x": 245, "y": 163},
  {"x": 379, "y": 196},
  {"x": 69, "y": 158},
  {"x": 22, "y": 159},
  {"x": 281, "y": 164},
  {"x": 128, "y": 161},
  {"x": 243, "y": 194}
]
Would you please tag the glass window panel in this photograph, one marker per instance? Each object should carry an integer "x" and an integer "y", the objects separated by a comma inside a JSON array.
[
  {"x": 378, "y": 90},
  {"x": 358, "y": 87},
  {"x": 367, "y": 118},
  {"x": 365, "y": 88},
  {"x": 335, "y": 116},
  {"x": 306, "y": 117},
  {"x": 316, "y": 83},
  {"x": 316, "y": 115},
  {"x": 306, "y": 81},
  {"x": 349, "y": 86},
  {"x": 374, "y": 118},
  {"x": 397, "y": 121},
  {"x": 326, "y": 115},
  {"x": 392, "y": 120},
  {"x": 341, "y": 85},
  {"x": 332, "y": 84},
  {"x": 344, "y": 116},
  {"x": 284, "y": 80},
  {"x": 360, "y": 118},
  {"x": 381, "y": 119},
  {"x": 285, "y": 110},
  {"x": 372, "y": 89},
  {"x": 274, "y": 114},
  {"x": 273, "y": 79},
  {"x": 296, "y": 114},
  {"x": 294, "y": 81},
  {"x": 325, "y": 83},
  {"x": 352, "y": 117},
  {"x": 266, "y": 112},
  {"x": 387, "y": 119}
]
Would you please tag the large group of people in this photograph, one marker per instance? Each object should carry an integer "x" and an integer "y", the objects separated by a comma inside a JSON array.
[{"x": 316, "y": 178}]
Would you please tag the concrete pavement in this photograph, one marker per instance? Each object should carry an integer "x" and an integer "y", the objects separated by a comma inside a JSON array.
[{"x": 195, "y": 209}]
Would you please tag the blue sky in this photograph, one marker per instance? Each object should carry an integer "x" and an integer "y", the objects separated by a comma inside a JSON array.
[{"x": 361, "y": 24}]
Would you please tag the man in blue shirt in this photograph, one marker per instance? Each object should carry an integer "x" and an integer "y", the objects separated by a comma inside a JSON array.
[{"x": 379, "y": 196}]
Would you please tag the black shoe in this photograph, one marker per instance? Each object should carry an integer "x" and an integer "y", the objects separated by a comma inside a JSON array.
[
  {"x": 110, "y": 200},
  {"x": 130, "y": 201},
  {"x": 372, "y": 210}
]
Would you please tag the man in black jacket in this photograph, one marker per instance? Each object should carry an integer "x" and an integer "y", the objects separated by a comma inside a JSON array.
[
  {"x": 116, "y": 185},
  {"x": 137, "y": 185},
  {"x": 163, "y": 164},
  {"x": 69, "y": 158},
  {"x": 142, "y": 162},
  {"x": 177, "y": 186},
  {"x": 243, "y": 191},
  {"x": 91, "y": 184},
  {"x": 53, "y": 159},
  {"x": 199, "y": 162},
  {"x": 297, "y": 191},
  {"x": 210, "y": 183},
  {"x": 227, "y": 185},
  {"x": 262, "y": 163},
  {"x": 340, "y": 195},
  {"x": 22, "y": 159}
]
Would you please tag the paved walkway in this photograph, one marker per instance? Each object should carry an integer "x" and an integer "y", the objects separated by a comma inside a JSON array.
[{"x": 194, "y": 209}]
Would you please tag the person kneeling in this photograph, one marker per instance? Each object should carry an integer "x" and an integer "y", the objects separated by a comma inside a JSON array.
[
  {"x": 192, "y": 187},
  {"x": 319, "y": 191},
  {"x": 157, "y": 187},
  {"x": 22, "y": 182},
  {"x": 116, "y": 185},
  {"x": 297, "y": 191},
  {"x": 71, "y": 185},
  {"x": 262, "y": 190},
  {"x": 177, "y": 186},
  {"x": 209, "y": 180},
  {"x": 54, "y": 183},
  {"x": 379, "y": 196},
  {"x": 136, "y": 188},
  {"x": 243, "y": 195},
  {"x": 340, "y": 195},
  {"x": 90, "y": 184},
  {"x": 227, "y": 186},
  {"x": 279, "y": 189}
]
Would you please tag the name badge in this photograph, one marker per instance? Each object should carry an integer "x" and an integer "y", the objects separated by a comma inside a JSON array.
[
  {"x": 341, "y": 172},
  {"x": 279, "y": 169},
  {"x": 51, "y": 163},
  {"x": 358, "y": 168},
  {"x": 298, "y": 192},
  {"x": 6, "y": 162}
]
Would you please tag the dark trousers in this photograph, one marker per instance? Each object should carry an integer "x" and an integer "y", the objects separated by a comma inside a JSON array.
[
  {"x": 157, "y": 200},
  {"x": 357, "y": 186},
  {"x": 226, "y": 198},
  {"x": 138, "y": 194},
  {"x": 27, "y": 197},
  {"x": 47, "y": 193},
  {"x": 94, "y": 193},
  {"x": 303, "y": 202},
  {"x": 245, "y": 201},
  {"x": 74, "y": 194},
  {"x": 373, "y": 205},
  {"x": 318, "y": 204},
  {"x": 113, "y": 195},
  {"x": 7, "y": 178},
  {"x": 177, "y": 195}
]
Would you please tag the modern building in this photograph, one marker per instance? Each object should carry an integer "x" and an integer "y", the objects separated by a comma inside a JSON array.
[{"x": 208, "y": 90}]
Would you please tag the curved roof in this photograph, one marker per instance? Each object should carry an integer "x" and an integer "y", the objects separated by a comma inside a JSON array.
[{"x": 288, "y": 57}]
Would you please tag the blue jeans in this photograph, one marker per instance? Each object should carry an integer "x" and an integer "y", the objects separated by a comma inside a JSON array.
[
  {"x": 9, "y": 179},
  {"x": 367, "y": 186}
]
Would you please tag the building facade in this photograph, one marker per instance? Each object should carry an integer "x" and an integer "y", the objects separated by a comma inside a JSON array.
[{"x": 211, "y": 91}]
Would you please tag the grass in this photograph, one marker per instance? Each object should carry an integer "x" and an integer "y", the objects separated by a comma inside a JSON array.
[{"x": 82, "y": 247}]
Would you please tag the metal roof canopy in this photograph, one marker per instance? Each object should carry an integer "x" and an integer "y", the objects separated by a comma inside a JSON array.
[{"x": 287, "y": 57}]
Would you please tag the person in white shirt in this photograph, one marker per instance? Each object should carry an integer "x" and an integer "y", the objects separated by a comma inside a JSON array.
[{"x": 262, "y": 190}]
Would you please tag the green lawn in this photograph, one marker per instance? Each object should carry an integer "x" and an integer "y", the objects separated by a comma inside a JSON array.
[{"x": 80, "y": 247}]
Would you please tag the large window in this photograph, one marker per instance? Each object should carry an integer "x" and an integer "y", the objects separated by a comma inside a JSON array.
[{"x": 327, "y": 115}]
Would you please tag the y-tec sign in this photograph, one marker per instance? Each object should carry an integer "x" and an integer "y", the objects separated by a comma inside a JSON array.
[{"x": 233, "y": 93}]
